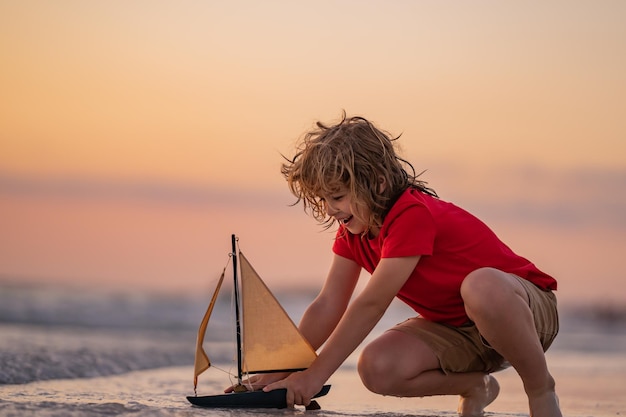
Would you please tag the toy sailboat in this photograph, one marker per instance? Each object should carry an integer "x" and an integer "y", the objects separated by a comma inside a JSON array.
[{"x": 271, "y": 342}]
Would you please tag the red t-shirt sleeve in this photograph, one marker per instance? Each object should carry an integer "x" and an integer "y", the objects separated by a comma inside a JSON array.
[
  {"x": 410, "y": 232},
  {"x": 341, "y": 245}
]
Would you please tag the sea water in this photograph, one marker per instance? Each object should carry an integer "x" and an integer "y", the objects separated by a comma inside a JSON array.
[{"x": 86, "y": 352}]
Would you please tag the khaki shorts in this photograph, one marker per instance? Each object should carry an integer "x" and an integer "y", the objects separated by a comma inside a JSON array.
[{"x": 463, "y": 349}]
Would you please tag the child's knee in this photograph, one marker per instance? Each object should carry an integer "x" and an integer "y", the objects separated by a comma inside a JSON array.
[
  {"x": 479, "y": 283},
  {"x": 487, "y": 290},
  {"x": 487, "y": 282},
  {"x": 374, "y": 369}
]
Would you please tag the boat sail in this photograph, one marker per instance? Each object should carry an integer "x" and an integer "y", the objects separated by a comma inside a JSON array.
[{"x": 271, "y": 341}]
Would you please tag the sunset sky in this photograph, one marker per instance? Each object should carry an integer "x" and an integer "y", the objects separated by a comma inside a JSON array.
[{"x": 136, "y": 136}]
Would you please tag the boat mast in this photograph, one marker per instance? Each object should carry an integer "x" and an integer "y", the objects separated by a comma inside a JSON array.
[{"x": 237, "y": 319}]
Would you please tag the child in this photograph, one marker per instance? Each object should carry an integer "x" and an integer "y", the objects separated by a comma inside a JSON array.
[{"x": 481, "y": 307}]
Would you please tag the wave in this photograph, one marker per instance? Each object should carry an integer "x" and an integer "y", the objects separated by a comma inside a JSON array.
[
  {"x": 71, "y": 306},
  {"x": 54, "y": 333},
  {"x": 58, "y": 333},
  {"x": 34, "y": 353},
  {"x": 61, "y": 332},
  {"x": 65, "y": 306}
]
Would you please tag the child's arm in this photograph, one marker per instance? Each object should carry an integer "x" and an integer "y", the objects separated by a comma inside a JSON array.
[
  {"x": 323, "y": 314},
  {"x": 359, "y": 319}
]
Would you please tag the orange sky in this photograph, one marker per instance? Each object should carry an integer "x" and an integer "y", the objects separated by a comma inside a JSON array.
[{"x": 122, "y": 123}]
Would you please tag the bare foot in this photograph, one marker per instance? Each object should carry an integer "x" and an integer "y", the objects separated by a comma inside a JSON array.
[{"x": 473, "y": 403}]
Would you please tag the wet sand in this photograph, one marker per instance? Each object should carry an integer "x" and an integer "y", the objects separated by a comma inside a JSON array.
[{"x": 587, "y": 384}]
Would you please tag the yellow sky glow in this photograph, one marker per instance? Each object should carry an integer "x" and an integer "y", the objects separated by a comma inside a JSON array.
[{"x": 208, "y": 94}]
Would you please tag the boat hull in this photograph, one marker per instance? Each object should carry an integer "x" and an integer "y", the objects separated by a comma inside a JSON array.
[{"x": 248, "y": 399}]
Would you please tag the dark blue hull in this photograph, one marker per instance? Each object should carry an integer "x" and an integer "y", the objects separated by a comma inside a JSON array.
[{"x": 249, "y": 399}]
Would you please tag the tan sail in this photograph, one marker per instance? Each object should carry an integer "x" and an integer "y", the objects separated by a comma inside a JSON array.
[
  {"x": 202, "y": 362},
  {"x": 271, "y": 341}
]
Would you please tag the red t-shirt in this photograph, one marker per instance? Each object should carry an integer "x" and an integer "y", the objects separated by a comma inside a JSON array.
[{"x": 451, "y": 242}]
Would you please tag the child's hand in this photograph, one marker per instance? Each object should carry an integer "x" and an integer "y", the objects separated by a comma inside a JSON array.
[
  {"x": 258, "y": 382},
  {"x": 301, "y": 387}
]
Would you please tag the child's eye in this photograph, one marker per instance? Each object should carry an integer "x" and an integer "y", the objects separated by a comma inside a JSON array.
[{"x": 337, "y": 197}]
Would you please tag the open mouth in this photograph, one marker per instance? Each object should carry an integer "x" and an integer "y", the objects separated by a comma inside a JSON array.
[{"x": 347, "y": 220}]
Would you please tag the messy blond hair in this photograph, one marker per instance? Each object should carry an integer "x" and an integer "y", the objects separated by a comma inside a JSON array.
[{"x": 354, "y": 154}]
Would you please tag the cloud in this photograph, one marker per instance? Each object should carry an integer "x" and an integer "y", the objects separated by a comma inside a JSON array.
[
  {"x": 576, "y": 198},
  {"x": 146, "y": 192},
  {"x": 573, "y": 198}
]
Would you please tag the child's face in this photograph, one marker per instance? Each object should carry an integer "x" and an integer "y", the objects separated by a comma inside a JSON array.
[{"x": 340, "y": 206}]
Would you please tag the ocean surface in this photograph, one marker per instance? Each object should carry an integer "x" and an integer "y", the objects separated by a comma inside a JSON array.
[{"x": 86, "y": 352}]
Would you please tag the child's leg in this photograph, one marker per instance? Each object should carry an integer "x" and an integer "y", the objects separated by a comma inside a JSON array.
[
  {"x": 400, "y": 364},
  {"x": 499, "y": 306}
]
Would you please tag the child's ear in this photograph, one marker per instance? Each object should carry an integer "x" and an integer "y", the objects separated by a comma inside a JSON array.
[{"x": 382, "y": 184}]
